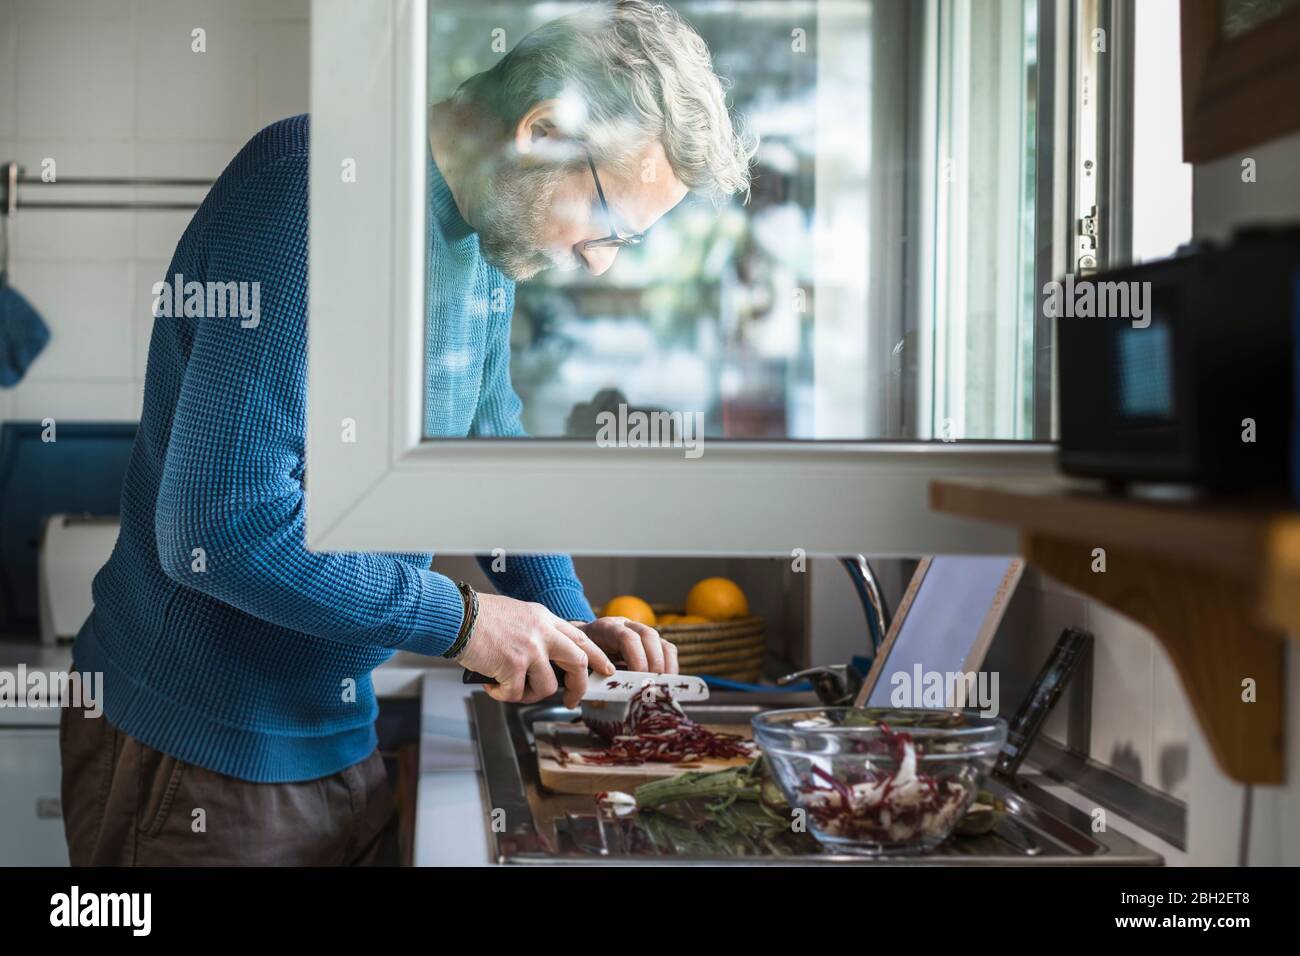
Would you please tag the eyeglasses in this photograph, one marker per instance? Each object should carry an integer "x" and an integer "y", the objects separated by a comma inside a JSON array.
[{"x": 615, "y": 238}]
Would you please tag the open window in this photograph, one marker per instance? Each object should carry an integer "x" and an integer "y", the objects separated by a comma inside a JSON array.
[{"x": 867, "y": 321}]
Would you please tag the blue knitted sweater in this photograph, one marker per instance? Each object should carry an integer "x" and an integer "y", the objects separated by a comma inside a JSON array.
[{"x": 223, "y": 641}]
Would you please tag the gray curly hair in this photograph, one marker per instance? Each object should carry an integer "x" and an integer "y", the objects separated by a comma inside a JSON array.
[{"x": 629, "y": 72}]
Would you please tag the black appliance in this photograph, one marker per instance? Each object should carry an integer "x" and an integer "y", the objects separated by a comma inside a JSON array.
[{"x": 1185, "y": 370}]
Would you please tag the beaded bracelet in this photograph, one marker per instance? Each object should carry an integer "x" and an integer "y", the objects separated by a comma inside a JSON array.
[{"x": 470, "y": 597}]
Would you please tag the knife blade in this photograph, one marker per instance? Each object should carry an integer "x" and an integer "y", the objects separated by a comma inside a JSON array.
[{"x": 624, "y": 685}]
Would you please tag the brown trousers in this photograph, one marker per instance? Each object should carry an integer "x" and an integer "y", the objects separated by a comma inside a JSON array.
[{"x": 126, "y": 804}]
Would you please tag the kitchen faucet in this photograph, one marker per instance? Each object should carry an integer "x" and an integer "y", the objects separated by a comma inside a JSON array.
[{"x": 837, "y": 685}]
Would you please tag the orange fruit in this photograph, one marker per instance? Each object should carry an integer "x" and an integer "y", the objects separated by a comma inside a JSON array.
[
  {"x": 717, "y": 599},
  {"x": 692, "y": 619},
  {"x": 630, "y": 607},
  {"x": 670, "y": 619}
]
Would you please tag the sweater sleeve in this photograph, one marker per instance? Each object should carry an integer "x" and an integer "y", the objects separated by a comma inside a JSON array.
[
  {"x": 230, "y": 517},
  {"x": 548, "y": 579}
]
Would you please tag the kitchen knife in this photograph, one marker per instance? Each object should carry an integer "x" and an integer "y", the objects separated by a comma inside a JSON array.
[
  {"x": 622, "y": 686},
  {"x": 605, "y": 705}
]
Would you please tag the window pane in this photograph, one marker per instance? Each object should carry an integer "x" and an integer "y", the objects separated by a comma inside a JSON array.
[
  {"x": 877, "y": 284},
  {"x": 977, "y": 233}
]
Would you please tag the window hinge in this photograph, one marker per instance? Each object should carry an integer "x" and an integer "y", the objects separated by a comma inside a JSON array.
[{"x": 1086, "y": 242}]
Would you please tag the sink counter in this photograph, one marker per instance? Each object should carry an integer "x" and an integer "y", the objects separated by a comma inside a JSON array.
[{"x": 451, "y": 814}]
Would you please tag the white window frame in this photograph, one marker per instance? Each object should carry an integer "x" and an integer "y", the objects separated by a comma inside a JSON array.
[{"x": 390, "y": 490}]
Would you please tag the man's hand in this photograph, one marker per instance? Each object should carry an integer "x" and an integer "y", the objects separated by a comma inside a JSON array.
[
  {"x": 514, "y": 643},
  {"x": 639, "y": 645}
]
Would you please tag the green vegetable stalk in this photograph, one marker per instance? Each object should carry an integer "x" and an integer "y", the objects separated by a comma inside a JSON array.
[
  {"x": 747, "y": 813},
  {"x": 752, "y": 782}
]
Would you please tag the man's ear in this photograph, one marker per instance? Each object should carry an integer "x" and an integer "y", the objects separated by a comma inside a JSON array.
[{"x": 538, "y": 133}]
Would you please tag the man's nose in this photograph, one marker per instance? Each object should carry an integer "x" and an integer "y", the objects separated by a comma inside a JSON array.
[{"x": 598, "y": 260}]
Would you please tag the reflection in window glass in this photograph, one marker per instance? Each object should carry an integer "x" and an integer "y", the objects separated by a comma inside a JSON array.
[
  {"x": 876, "y": 283},
  {"x": 1238, "y": 17}
]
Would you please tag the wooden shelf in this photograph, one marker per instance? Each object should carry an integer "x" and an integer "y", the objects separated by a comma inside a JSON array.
[{"x": 1218, "y": 585}]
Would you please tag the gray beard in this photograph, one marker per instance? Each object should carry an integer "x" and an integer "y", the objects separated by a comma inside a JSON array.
[{"x": 515, "y": 205}]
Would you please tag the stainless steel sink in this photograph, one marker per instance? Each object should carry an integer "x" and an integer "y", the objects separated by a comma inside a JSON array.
[{"x": 532, "y": 825}]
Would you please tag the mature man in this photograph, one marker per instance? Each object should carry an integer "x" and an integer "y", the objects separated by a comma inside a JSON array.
[{"x": 240, "y": 712}]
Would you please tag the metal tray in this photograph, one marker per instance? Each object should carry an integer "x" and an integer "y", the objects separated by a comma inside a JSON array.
[{"x": 528, "y": 824}]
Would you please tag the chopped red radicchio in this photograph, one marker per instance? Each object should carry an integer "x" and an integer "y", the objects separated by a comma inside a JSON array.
[
  {"x": 888, "y": 806},
  {"x": 657, "y": 730}
]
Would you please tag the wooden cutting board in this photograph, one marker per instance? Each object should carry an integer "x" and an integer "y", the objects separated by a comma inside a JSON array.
[{"x": 573, "y": 776}]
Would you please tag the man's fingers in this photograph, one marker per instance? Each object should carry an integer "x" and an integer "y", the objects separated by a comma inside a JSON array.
[
  {"x": 571, "y": 659},
  {"x": 670, "y": 657},
  {"x": 651, "y": 643},
  {"x": 509, "y": 692},
  {"x": 597, "y": 660},
  {"x": 632, "y": 646},
  {"x": 541, "y": 681}
]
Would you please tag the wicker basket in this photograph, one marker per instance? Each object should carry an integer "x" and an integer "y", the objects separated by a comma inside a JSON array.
[{"x": 732, "y": 649}]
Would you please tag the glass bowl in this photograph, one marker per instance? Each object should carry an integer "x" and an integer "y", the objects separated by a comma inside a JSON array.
[{"x": 879, "y": 780}]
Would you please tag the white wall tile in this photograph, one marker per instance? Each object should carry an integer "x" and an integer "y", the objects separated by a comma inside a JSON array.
[
  {"x": 283, "y": 72},
  {"x": 62, "y": 234},
  {"x": 71, "y": 234},
  {"x": 89, "y": 402},
  {"x": 1172, "y": 723},
  {"x": 72, "y": 9},
  {"x": 110, "y": 87},
  {"x": 185, "y": 160},
  {"x": 282, "y": 10},
  {"x": 156, "y": 233},
  {"x": 186, "y": 96},
  {"x": 1222, "y": 202},
  {"x": 86, "y": 306},
  {"x": 195, "y": 12},
  {"x": 75, "y": 79},
  {"x": 1121, "y": 693},
  {"x": 146, "y": 272},
  {"x": 8, "y": 73},
  {"x": 1051, "y": 585},
  {"x": 1139, "y": 718},
  {"x": 72, "y": 157}
]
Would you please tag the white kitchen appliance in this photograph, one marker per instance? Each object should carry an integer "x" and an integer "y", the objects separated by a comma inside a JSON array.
[{"x": 72, "y": 550}]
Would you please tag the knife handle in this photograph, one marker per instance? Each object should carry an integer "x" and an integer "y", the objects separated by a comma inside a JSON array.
[{"x": 473, "y": 677}]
